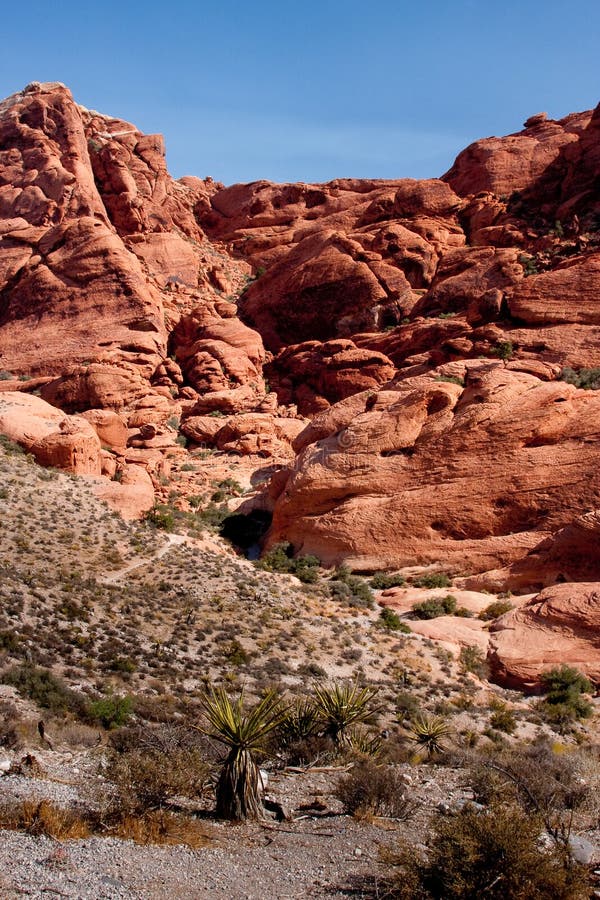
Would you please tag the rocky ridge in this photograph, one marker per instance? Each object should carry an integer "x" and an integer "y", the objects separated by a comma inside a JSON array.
[{"x": 397, "y": 350}]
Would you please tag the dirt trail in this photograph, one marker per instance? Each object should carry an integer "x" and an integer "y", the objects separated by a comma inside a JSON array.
[{"x": 173, "y": 540}]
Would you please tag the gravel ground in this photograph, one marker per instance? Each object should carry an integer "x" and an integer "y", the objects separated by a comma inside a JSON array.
[
  {"x": 319, "y": 853},
  {"x": 325, "y": 861},
  {"x": 322, "y": 853}
]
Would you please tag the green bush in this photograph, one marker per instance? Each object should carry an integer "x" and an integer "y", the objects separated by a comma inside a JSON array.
[
  {"x": 432, "y": 580},
  {"x": 434, "y": 607},
  {"x": 212, "y": 516},
  {"x": 392, "y": 621},
  {"x": 564, "y": 701},
  {"x": 504, "y": 350},
  {"x": 529, "y": 264},
  {"x": 280, "y": 558},
  {"x": 110, "y": 712},
  {"x": 495, "y": 609},
  {"x": 502, "y": 718},
  {"x": 160, "y": 516},
  {"x": 588, "y": 379},
  {"x": 381, "y": 581},
  {"x": 350, "y": 589}
]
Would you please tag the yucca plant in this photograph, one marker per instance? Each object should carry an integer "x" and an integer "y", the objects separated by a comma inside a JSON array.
[
  {"x": 300, "y": 722},
  {"x": 238, "y": 791},
  {"x": 341, "y": 705},
  {"x": 363, "y": 743},
  {"x": 429, "y": 733}
]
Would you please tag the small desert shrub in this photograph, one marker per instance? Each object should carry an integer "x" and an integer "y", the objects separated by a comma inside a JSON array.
[
  {"x": 43, "y": 818},
  {"x": 495, "y": 854},
  {"x": 159, "y": 827},
  {"x": 502, "y": 718},
  {"x": 147, "y": 778},
  {"x": 392, "y": 621},
  {"x": 281, "y": 559},
  {"x": 151, "y": 827},
  {"x": 434, "y": 607},
  {"x": 375, "y": 790},
  {"x": 160, "y": 516},
  {"x": 432, "y": 580},
  {"x": 381, "y": 581},
  {"x": 541, "y": 780},
  {"x": 529, "y": 264},
  {"x": 564, "y": 701},
  {"x": 45, "y": 689},
  {"x": 9, "y": 641},
  {"x": 110, "y": 712},
  {"x": 588, "y": 379},
  {"x": 472, "y": 659},
  {"x": 350, "y": 589},
  {"x": 503, "y": 350},
  {"x": 495, "y": 609}
]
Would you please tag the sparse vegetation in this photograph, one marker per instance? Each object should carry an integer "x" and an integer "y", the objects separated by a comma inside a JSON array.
[
  {"x": 373, "y": 789},
  {"x": 392, "y": 621},
  {"x": 495, "y": 610},
  {"x": 382, "y": 581},
  {"x": 564, "y": 700},
  {"x": 280, "y": 558},
  {"x": 432, "y": 580}
]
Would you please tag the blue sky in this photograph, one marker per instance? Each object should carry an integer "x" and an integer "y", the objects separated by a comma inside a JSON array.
[{"x": 311, "y": 91}]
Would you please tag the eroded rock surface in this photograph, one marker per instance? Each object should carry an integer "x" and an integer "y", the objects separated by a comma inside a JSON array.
[{"x": 561, "y": 625}]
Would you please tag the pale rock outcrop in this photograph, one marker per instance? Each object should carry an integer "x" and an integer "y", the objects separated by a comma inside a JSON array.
[
  {"x": 560, "y": 626},
  {"x": 54, "y": 439}
]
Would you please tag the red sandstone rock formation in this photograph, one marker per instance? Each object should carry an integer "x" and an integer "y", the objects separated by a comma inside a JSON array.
[
  {"x": 132, "y": 297},
  {"x": 313, "y": 375},
  {"x": 468, "y": 478}
]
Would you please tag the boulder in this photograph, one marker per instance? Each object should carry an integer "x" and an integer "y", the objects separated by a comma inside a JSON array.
[
  {"x": 559, "y": 626},
  {"x": 54, "y": 439}
]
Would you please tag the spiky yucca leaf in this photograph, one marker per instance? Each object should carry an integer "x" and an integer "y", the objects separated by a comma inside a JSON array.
[
  {"x": 340, "y": 705},
  {"x": 429, "y": 733},
  {"x": 243, "y": 731}
]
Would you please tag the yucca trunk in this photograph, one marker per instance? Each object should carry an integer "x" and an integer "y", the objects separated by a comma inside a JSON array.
[{"x": 239, "y": 788}]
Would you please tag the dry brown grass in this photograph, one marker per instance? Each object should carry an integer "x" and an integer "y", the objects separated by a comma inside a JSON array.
[
  {"x": 155, "y": 827},
  {"x": 44, "y": 818},
  {"x": 159, "y": 827}
]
